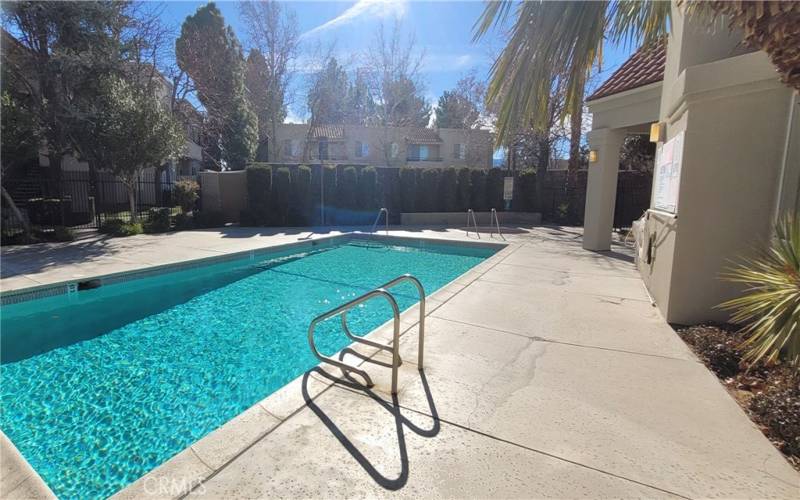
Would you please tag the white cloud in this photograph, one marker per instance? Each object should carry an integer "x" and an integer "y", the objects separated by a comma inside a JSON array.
[
  {"x": 292, "y": 117},
  {"x": 444, "y": 62},
  {"x": 363, "y": 9}
]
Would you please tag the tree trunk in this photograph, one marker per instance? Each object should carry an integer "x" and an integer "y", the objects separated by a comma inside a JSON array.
[
  {"x": 132, "y": 201},
  {"x": 158, "y": 194},
  {"x": 25, "y": 225},
  {"x": 576, "y": 120},
  {"x": 541, "y": 174}
]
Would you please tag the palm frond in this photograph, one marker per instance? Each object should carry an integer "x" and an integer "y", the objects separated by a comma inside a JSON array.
[
  {"x": 557, "y": 40},
  {"x": 769, "y": 309}
]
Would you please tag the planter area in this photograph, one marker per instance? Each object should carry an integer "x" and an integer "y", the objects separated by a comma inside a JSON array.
[{"x": 770, "y": 395}]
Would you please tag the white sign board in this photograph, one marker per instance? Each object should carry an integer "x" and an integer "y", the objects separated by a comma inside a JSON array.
[
  {"x": 508, "y": 188},
  {"x": 667, "y": 175}
]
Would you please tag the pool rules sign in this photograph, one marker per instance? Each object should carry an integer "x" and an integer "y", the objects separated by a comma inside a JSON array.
[
  {"x": 667, "y": 177},
  {"x": 508, "y": 191}
]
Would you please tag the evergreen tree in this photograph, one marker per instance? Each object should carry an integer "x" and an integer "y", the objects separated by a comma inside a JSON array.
[{"x": 209, "y": 52}]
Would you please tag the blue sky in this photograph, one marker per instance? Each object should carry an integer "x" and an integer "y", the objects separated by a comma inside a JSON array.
[{"x": 442, "y": 29}]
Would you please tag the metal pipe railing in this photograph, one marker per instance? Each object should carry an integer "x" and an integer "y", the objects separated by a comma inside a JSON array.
[
  {"x": 493, "y": 219},
  {"x": 378, "y": 218},
  {"x": 421, "y": 292},
  {"x": 346, "y": 307},
  {"x": 470, "y": 213}
]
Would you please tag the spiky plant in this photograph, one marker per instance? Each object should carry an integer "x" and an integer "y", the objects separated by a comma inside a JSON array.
[{"x": 770, "y": 306}]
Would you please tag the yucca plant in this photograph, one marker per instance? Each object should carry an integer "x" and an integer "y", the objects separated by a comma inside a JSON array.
[{"x": 770, "y": 306}]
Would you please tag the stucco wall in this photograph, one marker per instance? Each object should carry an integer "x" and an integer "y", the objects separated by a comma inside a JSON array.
[
  {"x": 734, "y": 114},
  {"x": 478, "y": 143}
]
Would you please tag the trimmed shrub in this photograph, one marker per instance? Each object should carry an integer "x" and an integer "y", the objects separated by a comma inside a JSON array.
[
  {"x": 408, "y": 189},
  {"x": 367, "y": 189},
  {"x": 464, "y": 189},
  {"x": 183, "y": 222},
  {"x": 448, "y": 190},
  {"x": 117, "y": 227},
  {"x": 428, "y": 189},
  {"x": 185, "y": 194},
  {"x": 300, "y": 205},
  {"x": 281, "y": 194},
  {"x": 478, "y": 190},
  {"x": 346, "y": 186},
  {"x": 494, "y": 189},
  {"x": 259, "y": 191},
  {"x": 158, "y": 220},
  {"x": 525, "y": 191},
  {"x": 329, "y": 192}
]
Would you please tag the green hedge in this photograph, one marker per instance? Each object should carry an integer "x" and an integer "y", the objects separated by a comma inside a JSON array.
[
  {"x": 448, "y": 190},
  {"x": 291, "y": 195},
  {"x": 478, "y": 190}
]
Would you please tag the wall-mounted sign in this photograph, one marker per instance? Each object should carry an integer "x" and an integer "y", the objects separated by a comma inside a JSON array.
[
  {"x": 667, "y": 175},
  {"x": 508, "y": 188}
]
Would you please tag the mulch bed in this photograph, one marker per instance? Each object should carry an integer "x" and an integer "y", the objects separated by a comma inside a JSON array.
[{"x": 769, "y": 394}]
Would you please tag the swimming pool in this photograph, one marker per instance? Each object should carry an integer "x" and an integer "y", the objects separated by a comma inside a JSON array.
[{"x": 101, "y": 385}]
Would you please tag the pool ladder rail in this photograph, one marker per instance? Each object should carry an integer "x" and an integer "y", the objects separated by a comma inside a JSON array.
[
  {"x": 381, "y": 291},
  {"x": 494, "y": 222},
  {"x": 378, "y": 218},
  {"x": 471, "y": 218}
]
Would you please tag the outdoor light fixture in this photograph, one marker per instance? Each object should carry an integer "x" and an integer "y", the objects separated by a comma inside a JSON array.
[
  {"x": 658, "y": 132},
  {"x": 592, "y": 156}
]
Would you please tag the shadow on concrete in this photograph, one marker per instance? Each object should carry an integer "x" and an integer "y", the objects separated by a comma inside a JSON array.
[
  {"x": 393, "y": 407},
  {"x": 37, "y": 257}
]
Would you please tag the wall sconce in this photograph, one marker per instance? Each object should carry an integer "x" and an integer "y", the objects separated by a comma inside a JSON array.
[
  {"x": 592, "y": 156},
  {"x": 658, "y": 132}
]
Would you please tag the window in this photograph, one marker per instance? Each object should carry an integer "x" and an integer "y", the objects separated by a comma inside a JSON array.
[
  {"x": 459, "y": 151},
  {"x": 362, "y": 149},
  {"x": 394, "y": 150},
  {"x": 423, "y": 152},
  {"x": 323, "y": 148},
  {"x": 291, "y": 148}
]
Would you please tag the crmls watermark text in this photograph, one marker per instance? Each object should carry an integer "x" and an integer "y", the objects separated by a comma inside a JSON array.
[{"x": 172, "y": 487}]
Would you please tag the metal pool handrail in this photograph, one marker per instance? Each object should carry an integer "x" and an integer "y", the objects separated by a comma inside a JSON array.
[
  {"x": 493, "y": 218},
  {"x": 346, "y": 307},
  {"x": 474, "y": 223},
  {"x": 395, "y": 348},
  {"x": 421, "y": 292},
  {"x": 378, "y": 218}
]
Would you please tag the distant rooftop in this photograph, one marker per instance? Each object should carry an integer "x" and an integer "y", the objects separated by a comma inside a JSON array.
[
  {"x": 327, "y": 131},
  {"x": 423, "y": 136},
  {"x": 644, "y": 67}
]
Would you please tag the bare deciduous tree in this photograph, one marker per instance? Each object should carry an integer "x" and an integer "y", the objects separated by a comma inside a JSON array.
[
  {"x": 272, "y": 29},
  {"x": 392, "y": 72}
]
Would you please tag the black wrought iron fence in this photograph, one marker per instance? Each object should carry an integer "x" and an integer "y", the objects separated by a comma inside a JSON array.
[{"x": 81, "y": 199}]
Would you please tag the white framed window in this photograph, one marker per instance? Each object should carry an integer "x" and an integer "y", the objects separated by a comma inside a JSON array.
[
  {"x": 459, "y": 151},
  {"x": 362, "y": 149},
  {"x": 394, "y": 150}
]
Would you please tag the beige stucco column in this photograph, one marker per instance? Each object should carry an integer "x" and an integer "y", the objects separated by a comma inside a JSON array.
[{"x": 601, "y": 188}]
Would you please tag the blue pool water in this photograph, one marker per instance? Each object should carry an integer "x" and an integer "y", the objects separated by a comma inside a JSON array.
[{"x": 103, "y": 385}]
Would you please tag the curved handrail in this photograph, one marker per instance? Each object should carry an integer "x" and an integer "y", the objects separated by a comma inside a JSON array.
[
  {"x": 474, "y": 223},
  {"x": 343, "y": 309},
  {"x": 494, "y": 218},
  {"x": 378, "y": 218},
  {"x": 421, "y": 291}
]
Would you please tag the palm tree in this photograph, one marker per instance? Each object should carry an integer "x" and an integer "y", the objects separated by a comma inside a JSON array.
[
  {"x": 552, "y": 40},
  {"x": 549, "y": 41}
]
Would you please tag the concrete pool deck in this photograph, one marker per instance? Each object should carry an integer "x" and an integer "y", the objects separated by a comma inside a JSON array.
[{"x": 547, "y": 374}]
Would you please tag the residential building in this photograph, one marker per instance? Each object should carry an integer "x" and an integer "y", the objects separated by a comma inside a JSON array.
[
  {"x": 727, "y": 161},
  {"x": 382, "y": 146}
]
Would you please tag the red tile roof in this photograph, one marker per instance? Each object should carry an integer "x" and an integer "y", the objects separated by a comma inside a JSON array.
[
  {"x": 423, "y": 136},
  {"x": 644, "y": 67},
  {"x": 327, "y": 131}
]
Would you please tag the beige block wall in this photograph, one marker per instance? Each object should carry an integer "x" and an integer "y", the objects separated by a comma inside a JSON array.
[{"x": 734, "y": 114}]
